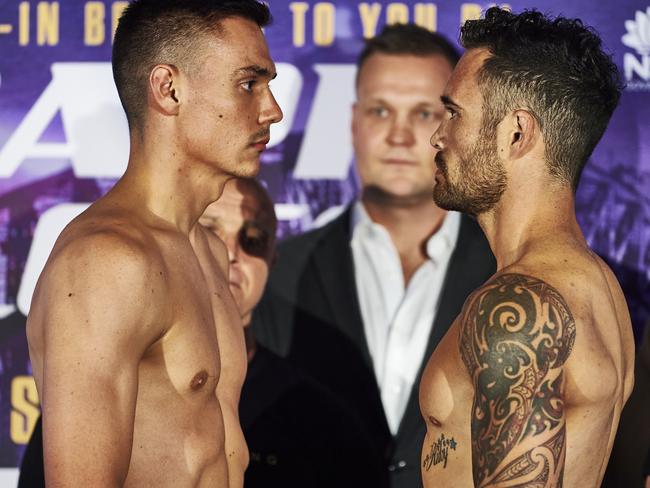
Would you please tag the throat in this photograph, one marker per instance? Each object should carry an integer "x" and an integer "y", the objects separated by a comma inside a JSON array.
[{"x": 411, "y": 263}]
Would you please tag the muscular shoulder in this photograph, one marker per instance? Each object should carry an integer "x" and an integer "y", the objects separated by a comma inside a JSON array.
[
  {"x": 95, "y": 267},
  {"x": 96, "y": 251},
  {"x": 517, "y": 333},
  {"x": 516, "y": 317}
]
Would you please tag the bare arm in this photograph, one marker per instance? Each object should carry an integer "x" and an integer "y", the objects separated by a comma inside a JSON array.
[
  {"x": 94, "y": 311},
  {"x": 516, "y": 335}
]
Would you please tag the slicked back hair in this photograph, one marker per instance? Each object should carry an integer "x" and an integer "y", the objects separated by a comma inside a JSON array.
[
  {"x": 556, "y": 69},
  {"x": 407, "y": 39},
  {"x": 152, "y": 32}
]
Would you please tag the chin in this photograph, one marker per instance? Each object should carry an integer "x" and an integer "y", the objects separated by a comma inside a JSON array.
[
  {"x": 443, "y": 199},
  {"x": 248, "y": 169},
  {"x": 404, "y": 188},
  {"x": 408, "y": 195}
]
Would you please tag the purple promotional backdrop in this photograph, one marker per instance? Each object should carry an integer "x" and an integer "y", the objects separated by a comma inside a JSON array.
[{"x": 63, "y": 141}]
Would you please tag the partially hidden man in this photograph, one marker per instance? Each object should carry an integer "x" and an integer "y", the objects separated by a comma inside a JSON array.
[
  {"x": 299, "y": 435},
  {"x": 135, "y": 340},
  {"x": 360, "y": 303},
  {"x": 527, "y": 387}
]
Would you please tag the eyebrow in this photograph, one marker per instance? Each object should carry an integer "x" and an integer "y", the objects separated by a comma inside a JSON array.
[
  {"x": 448, "y": 102},
  {"x": 255, "y": 69}
]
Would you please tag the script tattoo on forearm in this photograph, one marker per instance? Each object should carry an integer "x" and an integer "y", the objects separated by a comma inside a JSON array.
[{"x": 516, "y": 333}]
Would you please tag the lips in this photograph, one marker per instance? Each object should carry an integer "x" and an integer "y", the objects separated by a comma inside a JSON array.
[
  {"x": 261, "y": 144},
  {"x": 260, "y": 139},
  {"x": 441, "y": 166},
  {"x": 440, "y": 162},
  {"x": 399, "y": 162}
]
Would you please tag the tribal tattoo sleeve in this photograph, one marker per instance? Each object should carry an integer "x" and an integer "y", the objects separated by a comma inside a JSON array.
[{"x": 516, "y": 334}]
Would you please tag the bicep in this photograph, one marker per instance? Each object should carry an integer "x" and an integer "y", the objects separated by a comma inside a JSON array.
[
  {"x": 88, "y": 412},
  {"x": 517, "y": 334},
  {"x": 95, "y": 331}
]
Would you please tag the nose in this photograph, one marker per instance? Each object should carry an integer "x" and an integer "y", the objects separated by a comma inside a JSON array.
[
  {"x": 270, "y": 112},
  {"x": 401, "y": 133},
  {"x": 436, "y": 138},
  {"x": 233, "y": 249}
]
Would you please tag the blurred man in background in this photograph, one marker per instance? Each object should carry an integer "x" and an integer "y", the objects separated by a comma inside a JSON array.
[
  {"x": 362, "y": 302},
  {"x": 298, "y": 433}
]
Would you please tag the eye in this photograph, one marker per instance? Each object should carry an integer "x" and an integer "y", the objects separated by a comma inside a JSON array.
[
  {"x": 254, "y": 240},
  {"x": 451, "y": 112},
  {"x": 425, "y": 114},
  {"x": 248, "y": 85},
  {"x": 380, "y": 112}
]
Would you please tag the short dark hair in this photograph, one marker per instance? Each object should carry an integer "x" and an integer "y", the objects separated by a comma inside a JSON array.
[
  {"x": 408, "y": 39},
  {"x": 556, "y": 69},
  {"x": 167, "y": 31}
]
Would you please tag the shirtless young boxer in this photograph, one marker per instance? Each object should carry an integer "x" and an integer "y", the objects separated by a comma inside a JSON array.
[
  {"x": 135, "y": 340},
  {"x": 527, "y": 387}
]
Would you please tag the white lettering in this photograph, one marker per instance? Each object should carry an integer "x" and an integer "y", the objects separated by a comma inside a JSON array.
[
  {"x": 94, "y": 123},
  {"x": 632, "y": 66},
  {"x": 326, "y": 150}
]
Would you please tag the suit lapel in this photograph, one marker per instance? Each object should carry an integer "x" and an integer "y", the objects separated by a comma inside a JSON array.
[
  {"x": 335, "y": 268},
  {"x": 470, "y": 265}
]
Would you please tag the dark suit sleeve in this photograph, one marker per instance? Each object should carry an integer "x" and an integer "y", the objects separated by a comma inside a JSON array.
[
  {"x": 271, "y": 323},
  {"x": 32, "y": 473},
  {"x": 274, "y": 317}
]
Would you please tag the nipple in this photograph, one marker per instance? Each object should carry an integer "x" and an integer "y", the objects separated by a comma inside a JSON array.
[
  {"x": 199, "y": 380},
  {"x": 434, "y": 421}
]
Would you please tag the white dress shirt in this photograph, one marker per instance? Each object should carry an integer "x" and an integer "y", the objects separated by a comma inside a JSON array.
[{"x": 397, "y": 320}]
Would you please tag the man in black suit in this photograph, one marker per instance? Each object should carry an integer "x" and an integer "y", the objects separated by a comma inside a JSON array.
[{"x": 361, "y": 303}]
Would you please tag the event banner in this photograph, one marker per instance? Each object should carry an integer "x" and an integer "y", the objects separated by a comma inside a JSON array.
[{"x": 64, "y": 141}]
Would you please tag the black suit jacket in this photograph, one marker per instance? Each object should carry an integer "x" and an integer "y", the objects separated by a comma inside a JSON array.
[{"x": 311, "y": 315}]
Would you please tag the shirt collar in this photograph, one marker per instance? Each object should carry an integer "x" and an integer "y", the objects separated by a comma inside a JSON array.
[
  {"x": 439, "y": 244},
  {"x": 359, "y": 216},
  {"x": 444, "y": 240}
]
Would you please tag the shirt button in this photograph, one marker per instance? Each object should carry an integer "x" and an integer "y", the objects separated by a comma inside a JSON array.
[{"x": 398, "y": 466}]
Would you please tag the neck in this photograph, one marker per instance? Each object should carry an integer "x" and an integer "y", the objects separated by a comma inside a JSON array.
[
  {"x": 410, "y": 224},
  {"x": 167, "y": 183},
  {"x": 530, "y": 216}
]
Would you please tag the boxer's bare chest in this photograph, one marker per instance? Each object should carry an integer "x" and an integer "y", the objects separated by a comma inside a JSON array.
[
  {"x": 446, "y": 396},
  {"x": 196, "y": 298}
]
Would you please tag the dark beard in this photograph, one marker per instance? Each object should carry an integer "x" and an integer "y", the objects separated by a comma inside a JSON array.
[{"x": 484, "y": 180}]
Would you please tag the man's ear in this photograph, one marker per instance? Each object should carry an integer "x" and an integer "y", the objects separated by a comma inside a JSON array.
[
  {"x": 164, "y": 89},
  {"x": 523, "y": 133}
]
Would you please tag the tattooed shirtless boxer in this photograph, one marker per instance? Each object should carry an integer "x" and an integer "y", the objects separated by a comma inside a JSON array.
[
  {"x": 527, "y": 387},
  {"x": 135, "y": 340}
]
